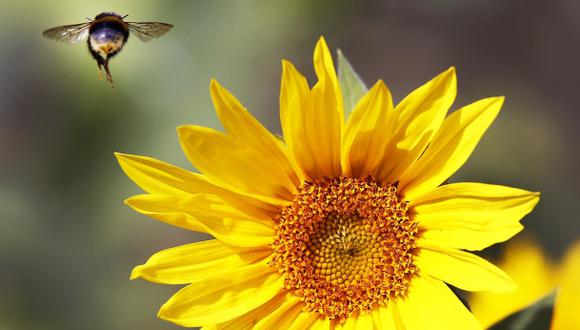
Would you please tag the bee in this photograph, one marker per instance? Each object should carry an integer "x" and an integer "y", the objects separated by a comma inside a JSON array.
[{"x": 106, "y": 35}]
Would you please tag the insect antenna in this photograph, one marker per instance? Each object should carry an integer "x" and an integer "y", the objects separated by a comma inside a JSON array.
[{"x": 124, "y": 16}]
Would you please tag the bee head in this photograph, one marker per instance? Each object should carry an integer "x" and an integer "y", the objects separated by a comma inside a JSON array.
[{"x": 103, "y": 15}]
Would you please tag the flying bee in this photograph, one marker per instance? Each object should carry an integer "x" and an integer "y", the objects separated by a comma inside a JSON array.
[{"x": 106, "y": 35}]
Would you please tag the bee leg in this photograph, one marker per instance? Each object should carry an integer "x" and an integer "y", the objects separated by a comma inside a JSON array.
[
  {"x": 109, "y": 76},
  {"x": 100, "y": 71}
]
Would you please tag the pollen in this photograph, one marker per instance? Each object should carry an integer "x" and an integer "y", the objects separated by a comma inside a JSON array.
[{"x": 345, "y": 245}]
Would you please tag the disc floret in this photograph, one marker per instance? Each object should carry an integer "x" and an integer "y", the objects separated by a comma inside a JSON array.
[{"x": 345, "y": 245}]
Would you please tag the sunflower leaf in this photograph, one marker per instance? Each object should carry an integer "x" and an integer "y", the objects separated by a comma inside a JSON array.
[
  {"x": 536, "y": 316},
  {"x": 352, "y": 86}
]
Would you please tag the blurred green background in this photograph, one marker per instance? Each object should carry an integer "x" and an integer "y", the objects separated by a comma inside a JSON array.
[{"x": 67, "y": 242}]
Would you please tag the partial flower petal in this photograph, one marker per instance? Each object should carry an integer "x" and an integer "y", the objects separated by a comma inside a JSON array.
[
  {"x": 314, "y": 127},
  {"x": 321, "y": 324},
  {"x": 235, "y": 165},
  {"x": 157, "y": 177},
  {"x": 223, "y": 297},
  {"x": 418, "y": 117},
  {"x": 294, "y": 93},
  {"x": 397, "y": 316},
  {"x": 248, "y": 320},
  {"x": 240, "y": 124},
  {"x": 162, "y": 208},
  {"x": 324, "y": 67},
  {"x": 364, "y": 321},
  {"x": 430, "y": 304},
  {"x": 450, "y": 147},
  {"x": 195, "y": 213},
  {"x": 568, "y": 296},
  {"x": 534, "y": 274},
  {"x": 357, "y": 320},
  {"x": 282, "y": 317},
  {"x": 470, "y": 238},
  {"x": 349, "y": 323},
  {"x": 304, "y": 321},
  {"x": 196, "y": 262},
  {"x": 463, "y": 270},
  {"x": 384, "y": 318},
  {"x": 367, "y": 132},
  {"x": 472, "y": 216}
]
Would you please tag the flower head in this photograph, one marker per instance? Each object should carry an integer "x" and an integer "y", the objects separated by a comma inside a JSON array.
[{"x": 341, "y": 223}]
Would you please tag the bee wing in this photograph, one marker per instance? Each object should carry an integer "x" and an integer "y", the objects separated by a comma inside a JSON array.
[
  {"x": 69, "y": 33},
  {"x": 147, "y": 31}
]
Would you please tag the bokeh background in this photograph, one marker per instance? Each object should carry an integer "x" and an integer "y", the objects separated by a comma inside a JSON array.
[{"x": 67, "y": 242}]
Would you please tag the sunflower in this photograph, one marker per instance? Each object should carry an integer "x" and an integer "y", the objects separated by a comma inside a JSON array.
[{"x": 337, "y": 225}]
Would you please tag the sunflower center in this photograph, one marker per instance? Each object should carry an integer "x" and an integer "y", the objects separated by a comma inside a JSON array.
[
  {"x": 345, "y": 245},
  {"x": 342, "y": 250}
]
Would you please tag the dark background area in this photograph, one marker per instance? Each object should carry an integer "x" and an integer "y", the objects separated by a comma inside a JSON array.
[{"x": 67, "y": 242}]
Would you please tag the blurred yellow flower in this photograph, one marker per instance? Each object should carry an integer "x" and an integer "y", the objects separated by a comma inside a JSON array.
[
  {"x": 536, "y": 276},
  {"x": 342, "y": 224},
  {"x": 566, "y": 316}
]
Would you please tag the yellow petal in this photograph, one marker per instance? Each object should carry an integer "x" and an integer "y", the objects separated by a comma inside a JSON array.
[
  {"x": 294, "y": 93},
  {"x": 568, "y": 298},
  {"x": 313, "y": 125},
  {"x": 463, "y": 270},
  {"x": 418, "y": 117},
  {"x": 430, "y": 304},
  {"x": 241, "y": 125},
  {"x": 304, "y": 321},
  {"x": 450, "y": 147},
  {"x": 472, "y": 216},
  {"x": 196, "y": 262},
  {"x": 324, "y": 68},
  {"x": 321, "y": 324},
  {"x": 384, "y": 317},
  {"x": 161, "y": 207},
  {"x": 524, "y": 261},
  {"x": 235, "y": 165},
  {"x": 282, "y": 317},
  {"x": 367, "y": 132},
  {"x": 364, "y": 321},
  {"x": 248, "y": 320},
  {"x": 223, "y": 297},
  {"x": 157, "y": 177},
  {"x": 349, "y": 324},
  {"x": 201, "y": 212},
  {"x": 397, "y": 316},
  {"x": 470, "y": 238}
]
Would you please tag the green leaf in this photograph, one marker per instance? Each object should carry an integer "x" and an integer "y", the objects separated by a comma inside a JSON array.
[
  {"x": 352, "y": 86},
  {"x": 536, "y": 316}
]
